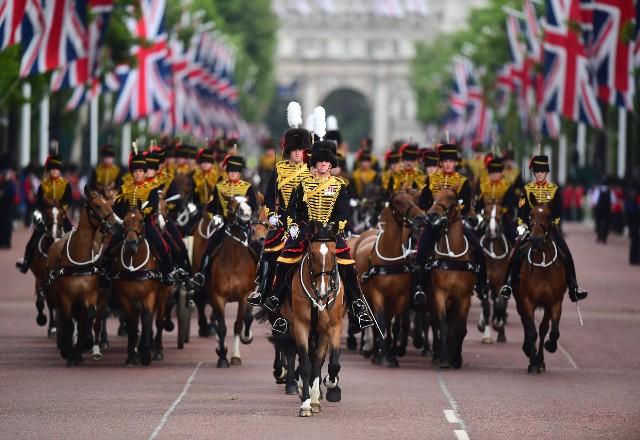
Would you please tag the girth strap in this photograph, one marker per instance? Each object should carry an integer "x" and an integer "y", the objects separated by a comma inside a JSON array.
[
  {"x": 387, "y": 269},
  {"x": 138, "y": 275},
  {"x": 76, "y": 271},
  {"x": 463, "y": 266}
]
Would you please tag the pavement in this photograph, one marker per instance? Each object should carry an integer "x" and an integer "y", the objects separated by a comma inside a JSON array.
[{"x": 591, "y": 389}]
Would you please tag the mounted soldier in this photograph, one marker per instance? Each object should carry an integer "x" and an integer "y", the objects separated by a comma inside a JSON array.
[
  {"x": 410, "y": 175},
  {"x": 430, "y": 161},
  {"x": 392, "y": 166},
  {"x": 363, "y": 174},
  {"x": 447, "y": 178},
  {"x": 106, "y": 174},
  {"x": 541, "y": 191},
  {"x": 321, "y": 198},
  {"x": 284, "y": 179},
  {"x": 53, "y": 189}
]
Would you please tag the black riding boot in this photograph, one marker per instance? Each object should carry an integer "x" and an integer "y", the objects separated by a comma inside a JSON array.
[
  {"x": 264, "y": 281},
  {"x": 419, "y": 295},
  {"x": 575, "y": 292},
  {"x": 25, "y": 262},
  {"x": 355, "y": 298},
  {"x": 513, "y": 274},
  {"x": 283, "y": 284}
]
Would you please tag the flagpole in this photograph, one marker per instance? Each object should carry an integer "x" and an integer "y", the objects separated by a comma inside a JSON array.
[
  {"x": 25, "y": 126},
  {"x": 43, "y": 146},
  {"x": 562, "y": 158},
  {"x": 93, "y": 129},
  {"x": 126, "y": 144},
  {"x": 622, "y": 141},
  {"x": 581, "y": 145}
]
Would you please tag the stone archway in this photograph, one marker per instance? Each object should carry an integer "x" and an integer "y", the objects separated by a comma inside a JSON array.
[{"x": 353, "y": 111}]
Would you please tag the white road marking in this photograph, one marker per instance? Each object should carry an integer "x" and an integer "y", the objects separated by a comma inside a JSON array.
[
  {"x": 450, "y": 415},
  {"x": 566, "y": 353},
  {"x": 175, "y": 403},
  {"x": 461, "y": 434},
  {"x": 452, "y": 402}
]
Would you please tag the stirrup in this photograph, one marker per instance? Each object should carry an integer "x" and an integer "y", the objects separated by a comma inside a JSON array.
[
  {"x": 255, "y": 299},
  {"x": 358, "y": 307},
  {"x": 364, "y": 321},
  {"x": 506, "y": 291},
  {"x": 272, "y": 303},
  {"x": 419, "y": 297},
  {"x": 22, "y": 265},
  {"x": 199, "y": 279},
  {"x": 577, "y": 294},
  {"x": 280, "y": 326}
]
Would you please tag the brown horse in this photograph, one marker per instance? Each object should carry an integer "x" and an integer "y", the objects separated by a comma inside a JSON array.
[
  {"x": 316, "y": 309},
  {"x": 496, "y": 248},
  {"x": 231, "y": 279},
  {"x": 452, "y": 278},
  {"x": 74, "y": 274},
  {"x": 543, "y": 283},
  {"x": 137, "y": 283},
  {"x": 383, "y": 259},
  {"x": 53, "y": 219}
]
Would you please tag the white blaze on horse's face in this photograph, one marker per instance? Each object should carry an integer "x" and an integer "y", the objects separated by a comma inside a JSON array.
[
  {"x": 493, "y": 224},
  {"x": 54, "y": 227},
  {"x": 324, "y": 250},
  {"x": 244, "y": 210}
]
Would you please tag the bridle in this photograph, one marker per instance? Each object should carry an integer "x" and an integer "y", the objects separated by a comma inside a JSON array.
[
  {"x": 103, "y": 223},
  {"x": 401, "y": 218},
  {"x": 320, "y": 295}
]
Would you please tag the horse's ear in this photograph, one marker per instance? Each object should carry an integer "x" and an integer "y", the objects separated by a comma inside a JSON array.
[{"x": 532, "y": 199}]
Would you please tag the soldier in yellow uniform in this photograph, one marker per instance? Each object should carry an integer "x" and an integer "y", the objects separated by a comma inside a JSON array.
[
  {"x": 447, "y": 178},
  {"x": 497, "y": 187},
  {"x": 549, "y": 193},
  {"x": 286, "y": 176},
  {"x": 431, "y": 161},
  {"x": 53, "y": 188},
  {"x": 106, "y": 174},
  {"x": 320, "y": 198},
  {"x": 512, "y": 171},
  {"x": 205, "y": 177},
  {"x": 392, "y": 166},
  {"x": 409, "y": 175},
  {"x": 229, "y": 187},
  {"x": 363, "y": 175}
]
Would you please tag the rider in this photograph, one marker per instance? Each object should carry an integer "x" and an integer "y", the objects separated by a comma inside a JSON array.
[
  {"x": 497, "y": 187},
  {"x": 544, "y": 192},
  {"x": 286, "y": 177},
  {"x": 512, "y": 171},
  {"x": 225, "y": 189},
  {"x": 134, "y": 194},
  {"x": 447, "y": 177},
  {"x": 205, "y": 177},
  {"x": 322, "y": 198},
  {"x": 363, "y": 174},
  {"x": 392, "y": 167},
  {"x": 54, "y": 188},
  {"x": 431, "y": 161},
  {"x": 410, "y": 175},
  {"x": 106, "y": 173}
]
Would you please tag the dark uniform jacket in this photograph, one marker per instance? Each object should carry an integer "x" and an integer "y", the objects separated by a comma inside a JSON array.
[
  {"x": 441, "y": 180},
  {"x": 284, "y": 179},
  {"x": 322, "y": 200},
  {"x": 58, "y": 190},
  {"x": 545, "y": 193},
  {"x": 226, "y": 189}
]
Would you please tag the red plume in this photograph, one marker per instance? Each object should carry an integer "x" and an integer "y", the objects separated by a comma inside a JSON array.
[{"x": 488, "y": 159}]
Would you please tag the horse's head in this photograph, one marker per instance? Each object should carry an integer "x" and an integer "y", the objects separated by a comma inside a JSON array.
[
  {"x": 100, "y": 210},
  {"x": 539, "y": 222},
  {"x": 53, "y": 216},
  {"x": 322, "y": 258},
  {"x": 405, "y": 209},
  {"x": 109, "y": 191},
  {"x": 238, "y": 210},
  {"x": 133, "y": 230},
  {"x": 445, "y": 208},
  {"x": 492, "y": 212}
]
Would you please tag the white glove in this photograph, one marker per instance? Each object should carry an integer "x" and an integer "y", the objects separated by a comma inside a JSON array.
[
  {"x": 217, "y": 220},
  {"x": 37, "y": 216},
  {"x": 191, "y": 207},
  {"x": 161, "y": 221},
  {"x": 294, "y": 230},
  {"x": 522, "y": 230},
  {"x": 480, "y": 218},
  {"x": 274, "y": 219},
  {"x": 353, "y": 203}
]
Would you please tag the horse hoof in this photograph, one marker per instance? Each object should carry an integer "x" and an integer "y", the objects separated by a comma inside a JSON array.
[
  {"x": 497, "y": 324},
  {"x": 104, "y": 345},
  {"x": 367, "y": 353},
  {"x": 291, "y": 390},
  {"x": 96, "y": 355},
  {"x": 131, "y": 361},
  {"x": 334, "y": 394},
  {"x": 169, "y": 325},
  {"x": 41, "y": 320},
  {"x": 246, "y": 340},
  {"x": 392, "y": 363},
  {"x": 501, "y": 337},
  {"x": 52, "y": 332},
  {"x": 315, "y": 408},
  {"x": 377, "y": 360},
  {"x": 158, "y": 356},
  {"x": 551, "y": 346},
  {"x": 418, "y": 342},
  {"x": 456, "y": 364},
  {"x": 444, "y": 365},
  {"x": 487, "y": 340},
  {"x": 223, "y": 363},
  {"x": 531, "y": 368},
  {"x": 352, "y": 344},
  {"x": 306, "y": 412},
  {"x": 236, "y": 360},
  {"x": 145, "y": 358},
  {"x": 427, "y": 352},
  {"x": 401, "y": 351}
]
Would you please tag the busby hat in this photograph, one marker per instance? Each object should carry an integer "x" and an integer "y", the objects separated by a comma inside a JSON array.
[
  {"x": 107, "y": 150},
  {"x": 137, "y": 162},
  {"x": 539, "y": 163},
  {"x": 234, "y": 163},
  {"x": 334, "y": 135},
  {"x": 53, "y": 162},
  {"x": 182, "y": 151},
  {"x": 448, "y": 152},
  {"x": 391, "y": 157},
  {"x": 296, "y": 139},
  {"x": 409, "y": 152},
  {"x": 205, "y": 155},
  {"x": 363, "y": 155},
  {"x": 159, "y": 152},
  {"x": 494, "y": 164},
  {"x": 430, "y": 157},
  {"x": 323, "y": 151},
  {"x": 152, "y": 160}
]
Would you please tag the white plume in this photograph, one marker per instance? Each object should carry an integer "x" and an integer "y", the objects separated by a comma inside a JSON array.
[
  {"x": 319, "y": 121},
  {"x": 309, "y": 122},
  {"x": 294, "y": 114},
  {"x": 332, "y": 123}
]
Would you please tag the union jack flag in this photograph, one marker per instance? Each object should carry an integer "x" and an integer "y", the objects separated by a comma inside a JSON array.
[
  {"x": 145, "y": 88},
  {"x": 54, "y": 33},
  {"x": 479, "y": 116},
  {"x": 567, "y": 88},
  {"x": 11, "y": 15}
]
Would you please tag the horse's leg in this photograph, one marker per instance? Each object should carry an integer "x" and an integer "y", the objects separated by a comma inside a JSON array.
[
  {"x": 483, "y": 323},
  {"x": 334, "y": 393},
  {"x": 221, "y": 330},
  {"x": 380, "y": 351},
  {"x": 80, "y": 314},
  {"x": 51, "y": 330},
  {"x": 418, "y": 327},
  {"x": 392, "y": 341},
  {"x": 291, "y": 386},
  {"x": 236, "y": 359},
  {"x": 204, "y": 328},
  {"x": 146, "y": 318},
  {"x": 499, "y": 316},
  {"x": 459, "y": 326},
  {"x": 98, "y": 324},
  {"x": 66, "y": 344},
  {"x": 403, "y": 335},
  {"x": 443, "y": 330},
  {"x": 279, "y": 371},
  {"x": 161, "y": 325},
  {"x": 369, "y": 340},
  {"x": 41, "y": 318},
  {"x": 542, "y": 332},
  {"x": 302, "y": 344},
  {"x": 130, "y": 314},
  {"x": 530, "y": 335},
  {"x": 316, "y": 371},
  {"x": 556, "y": 311},
  {"x": 246, "y": 336}
]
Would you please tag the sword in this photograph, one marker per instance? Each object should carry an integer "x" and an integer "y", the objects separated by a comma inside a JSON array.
[
  {"x": 373, "y": 316},
  {"x": 579, "y": 314}
]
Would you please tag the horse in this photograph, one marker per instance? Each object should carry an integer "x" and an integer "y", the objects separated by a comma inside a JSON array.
[
  {"x": 367, "y": 209},
  {"x": 184, "y": 202},
  {"x": 53, "y": 218},
  {"x": 383, "y": 260},
  {"x": 138, "y": 284},
  {"x": 231, "y": 279},
  {"x": 316, "y": 308},
  {"x": 452, "y": 276},
  {"x": 496, "y": 248},
  {"x": 73, "y": 274},
  {"x": 543, "y": 282}
]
